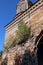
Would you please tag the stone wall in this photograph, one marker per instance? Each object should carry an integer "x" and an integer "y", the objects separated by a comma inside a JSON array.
[
  {"x": 31, "y": 17},
  {"x": 34, "y": 19}
]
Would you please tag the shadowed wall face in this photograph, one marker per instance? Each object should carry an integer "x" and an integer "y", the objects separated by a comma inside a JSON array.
[{"x": 40, "y": 52}]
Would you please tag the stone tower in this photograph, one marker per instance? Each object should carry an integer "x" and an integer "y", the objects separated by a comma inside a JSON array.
[
  {"x": 30, "y": 53},
  {"x": 23, "y": 5}
]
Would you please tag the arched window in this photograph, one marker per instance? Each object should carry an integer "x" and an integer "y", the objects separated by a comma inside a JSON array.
[
  {"x": 22, "y": 7},
  {"x": 39, "y": 48}
]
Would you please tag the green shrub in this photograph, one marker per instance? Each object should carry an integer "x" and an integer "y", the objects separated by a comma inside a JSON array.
[
  {"x": 22, "y": 33},
  {"x": 9, "y": 43}
]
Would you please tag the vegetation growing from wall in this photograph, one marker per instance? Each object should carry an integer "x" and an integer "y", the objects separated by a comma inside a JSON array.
[
  {"x": 21, "y": 35},
  {"x": 9, "y": 43}
]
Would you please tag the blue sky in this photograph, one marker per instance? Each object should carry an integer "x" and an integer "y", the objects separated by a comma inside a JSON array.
[{"x": 7, "y": 12}]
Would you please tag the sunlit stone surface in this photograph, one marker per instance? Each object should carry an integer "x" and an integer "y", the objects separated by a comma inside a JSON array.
[{"x": 31, "y": 52}]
